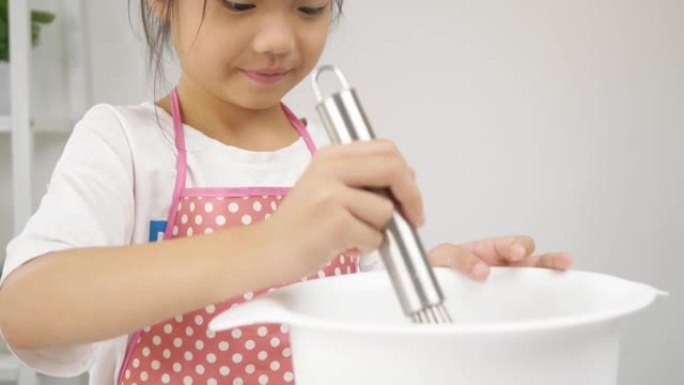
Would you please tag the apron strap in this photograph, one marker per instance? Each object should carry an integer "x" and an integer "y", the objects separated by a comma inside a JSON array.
[
  {"x": 301, "y": 128},
  {"x": 132, "y": 342},
  {"x": 181, "y": 162}
]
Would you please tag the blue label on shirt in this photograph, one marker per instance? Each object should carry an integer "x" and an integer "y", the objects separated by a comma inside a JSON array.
[{"x": 157, "y": 229}]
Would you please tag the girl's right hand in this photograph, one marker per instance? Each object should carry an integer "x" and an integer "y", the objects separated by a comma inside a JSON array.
[{"x": 331, "y": 210}]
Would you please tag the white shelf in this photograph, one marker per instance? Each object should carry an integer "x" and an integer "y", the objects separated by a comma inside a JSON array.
[{"x": 39, "y": 126}]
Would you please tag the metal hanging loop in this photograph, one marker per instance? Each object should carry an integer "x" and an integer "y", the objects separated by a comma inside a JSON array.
[{"x": 327, "y": 68}]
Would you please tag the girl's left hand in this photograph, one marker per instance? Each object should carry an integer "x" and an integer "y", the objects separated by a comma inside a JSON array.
[{"x": 475, "y": 258}]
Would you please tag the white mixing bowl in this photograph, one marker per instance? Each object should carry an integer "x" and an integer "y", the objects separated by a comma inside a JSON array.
[{"x": 522, "y": 326}]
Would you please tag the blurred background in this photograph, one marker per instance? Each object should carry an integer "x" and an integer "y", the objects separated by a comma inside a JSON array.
[{"x": 559, "y": 119}]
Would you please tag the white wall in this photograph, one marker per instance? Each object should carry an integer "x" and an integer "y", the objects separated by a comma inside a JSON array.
[{"x": 559, "y": 119}]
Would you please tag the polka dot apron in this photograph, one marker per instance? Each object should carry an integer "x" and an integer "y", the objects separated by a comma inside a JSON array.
[{"x": 181, "y": 350}]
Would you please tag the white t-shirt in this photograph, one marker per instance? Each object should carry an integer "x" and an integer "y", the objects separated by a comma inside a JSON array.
[{"x": 113, "y": 182}]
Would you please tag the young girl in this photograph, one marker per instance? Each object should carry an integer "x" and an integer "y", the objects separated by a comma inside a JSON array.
[{"x": 207, "y": 169}]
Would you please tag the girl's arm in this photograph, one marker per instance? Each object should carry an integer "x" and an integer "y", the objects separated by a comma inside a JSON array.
[
  {"x": 83, "y": 295},
  {"x": 89, "y": 294}
]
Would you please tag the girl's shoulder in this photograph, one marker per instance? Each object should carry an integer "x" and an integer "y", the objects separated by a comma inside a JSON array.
[
  {"x": 142, "y": 115},
  {"x": 139, "y": 123}
]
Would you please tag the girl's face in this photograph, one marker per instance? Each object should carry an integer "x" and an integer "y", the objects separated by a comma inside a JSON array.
[{"x": 249, "y": 53}]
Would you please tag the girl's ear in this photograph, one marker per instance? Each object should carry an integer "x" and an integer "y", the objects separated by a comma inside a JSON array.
[{"x": 159, "y": 8}]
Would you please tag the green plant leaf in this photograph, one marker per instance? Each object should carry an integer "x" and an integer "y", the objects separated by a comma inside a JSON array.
[
  {"x": 35, "y": 34},
  {"x": 4, "y": 36},
  {"x": 4, "y": 30},
  {"x": 38, "y": 18},
  {"x": 42, "y": 17}
]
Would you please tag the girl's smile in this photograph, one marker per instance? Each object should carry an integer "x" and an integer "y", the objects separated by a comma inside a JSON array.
[{"x": 265, "y": 76}]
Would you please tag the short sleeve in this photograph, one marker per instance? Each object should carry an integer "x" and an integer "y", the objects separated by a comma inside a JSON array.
[{"x": 89, "y": 202}]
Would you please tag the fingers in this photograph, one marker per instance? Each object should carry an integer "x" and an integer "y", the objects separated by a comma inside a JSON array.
[
  {"x": 465, "y": 259},
  {"x": 376, "y": 164},
  {"x": 384, "y": 172},
  {"x": 361, "y": 236},
  {"x": 368, "y": 207},
  {"x": 460, "y": 259},
  {"x": 517, "y": 250},
  {"x": 556, "y": 261},
  {"x": 510, "y": 249}
]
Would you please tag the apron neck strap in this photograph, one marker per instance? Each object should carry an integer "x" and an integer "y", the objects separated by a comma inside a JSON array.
[
  {"x": 181, "y": 161},
  {"x": 179, "y": 135},
  {"x": 300, "y": 127}
]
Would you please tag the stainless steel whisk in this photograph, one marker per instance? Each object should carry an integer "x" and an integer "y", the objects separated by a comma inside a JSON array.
[{"x": 402, "y": 252}]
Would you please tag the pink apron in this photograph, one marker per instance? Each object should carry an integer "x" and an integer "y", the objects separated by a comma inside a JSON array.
[{"x": 182, "y": 350}]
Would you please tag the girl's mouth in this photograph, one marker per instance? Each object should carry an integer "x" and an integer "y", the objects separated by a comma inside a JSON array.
[{"x": 265, "y": 76}]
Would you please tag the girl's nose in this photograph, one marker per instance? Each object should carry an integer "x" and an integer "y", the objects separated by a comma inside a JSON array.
[{"x": 276, "y": 37}]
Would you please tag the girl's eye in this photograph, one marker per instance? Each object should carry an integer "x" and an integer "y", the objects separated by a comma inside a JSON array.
[
  {"x": 312, "y": 11},
  {"x": 238, "y": 7}
]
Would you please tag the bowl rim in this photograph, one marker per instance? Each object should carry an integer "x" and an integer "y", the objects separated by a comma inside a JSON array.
[{"x": 302, "y": 321}]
